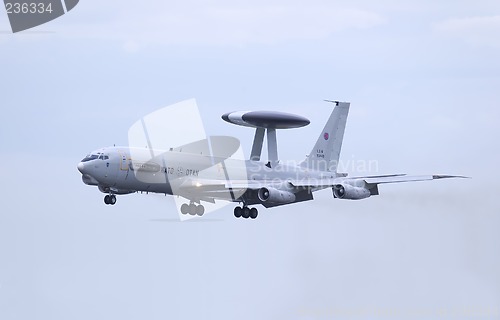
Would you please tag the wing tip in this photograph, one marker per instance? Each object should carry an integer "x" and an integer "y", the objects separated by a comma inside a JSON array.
[{"x": 445, "y": 176}]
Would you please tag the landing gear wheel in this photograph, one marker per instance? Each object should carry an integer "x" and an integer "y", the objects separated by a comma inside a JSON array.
[
  {"x": 254, "y": 213},
  {"x": 112, "y": 199},
  {"x": 237, "y": 212},
  {"x": 246, "y": 212},
  {"x": 106, "y": 199},
  {"x": 184, "y": 208},
  {"x": 200, "y": 210},
  {"x": 192, "y": 209}
]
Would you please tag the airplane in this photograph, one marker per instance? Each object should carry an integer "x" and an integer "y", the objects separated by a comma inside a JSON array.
[{"x": 200, "y": 174}]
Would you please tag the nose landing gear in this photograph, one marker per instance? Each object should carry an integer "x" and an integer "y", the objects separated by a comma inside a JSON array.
[
  {"x": 192, "y": 209},
  {"x": 110, "y": 199},
  {"x": 246, "y": 212}
]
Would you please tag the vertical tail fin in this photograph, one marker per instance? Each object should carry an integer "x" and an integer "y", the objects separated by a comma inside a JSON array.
[{"x": 326, "y": 152}]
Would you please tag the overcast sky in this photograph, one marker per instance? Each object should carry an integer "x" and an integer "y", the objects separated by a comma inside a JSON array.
[{"x": 423, "y": 81}]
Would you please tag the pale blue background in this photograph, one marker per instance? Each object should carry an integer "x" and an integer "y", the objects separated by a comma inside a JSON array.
[{"x": 423, "y": 80}]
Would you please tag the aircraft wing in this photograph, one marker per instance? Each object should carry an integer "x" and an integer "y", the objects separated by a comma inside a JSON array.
[
  {"x": 209, "y": 190},
  {"x": 406, "y": 178},
  {"x": 370, "y": 180},
  {"x": 233, "y": 190},
  {"x": 212, "y": 184},
  {"x": 207, "y": 185}
]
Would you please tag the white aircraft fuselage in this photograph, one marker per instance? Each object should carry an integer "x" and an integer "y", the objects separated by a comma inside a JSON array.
[{"x": 114, "y": 171}]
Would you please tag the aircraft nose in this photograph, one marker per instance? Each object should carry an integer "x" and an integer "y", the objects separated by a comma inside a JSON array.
[{"x": 81, "y": 167}]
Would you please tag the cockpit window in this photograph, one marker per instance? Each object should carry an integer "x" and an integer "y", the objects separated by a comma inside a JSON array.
[{"x": 90, "y": 157}]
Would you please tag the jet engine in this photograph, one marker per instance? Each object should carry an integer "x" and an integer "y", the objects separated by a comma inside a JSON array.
[
  {"x": 275, "y": 195},
  {"x": 345, "y": 191}
]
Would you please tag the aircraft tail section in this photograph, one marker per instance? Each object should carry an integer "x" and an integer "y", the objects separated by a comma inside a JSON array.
[{"x": 326, "y": 152}]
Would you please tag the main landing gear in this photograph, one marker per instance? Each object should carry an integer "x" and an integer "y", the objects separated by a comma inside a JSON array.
[
  {"x": 192, "y": 209},
  {"x": 110, "y": 199},
  {"x": 246, "y": 212}
]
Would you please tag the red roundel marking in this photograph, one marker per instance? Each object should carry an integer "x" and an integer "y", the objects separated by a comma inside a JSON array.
[{"x": 326, "y": 136}]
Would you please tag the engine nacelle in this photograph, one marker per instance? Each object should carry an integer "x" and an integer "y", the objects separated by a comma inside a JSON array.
[
  {"x": 275, "y": 195},
  {"x": 346, "y": 191}
]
